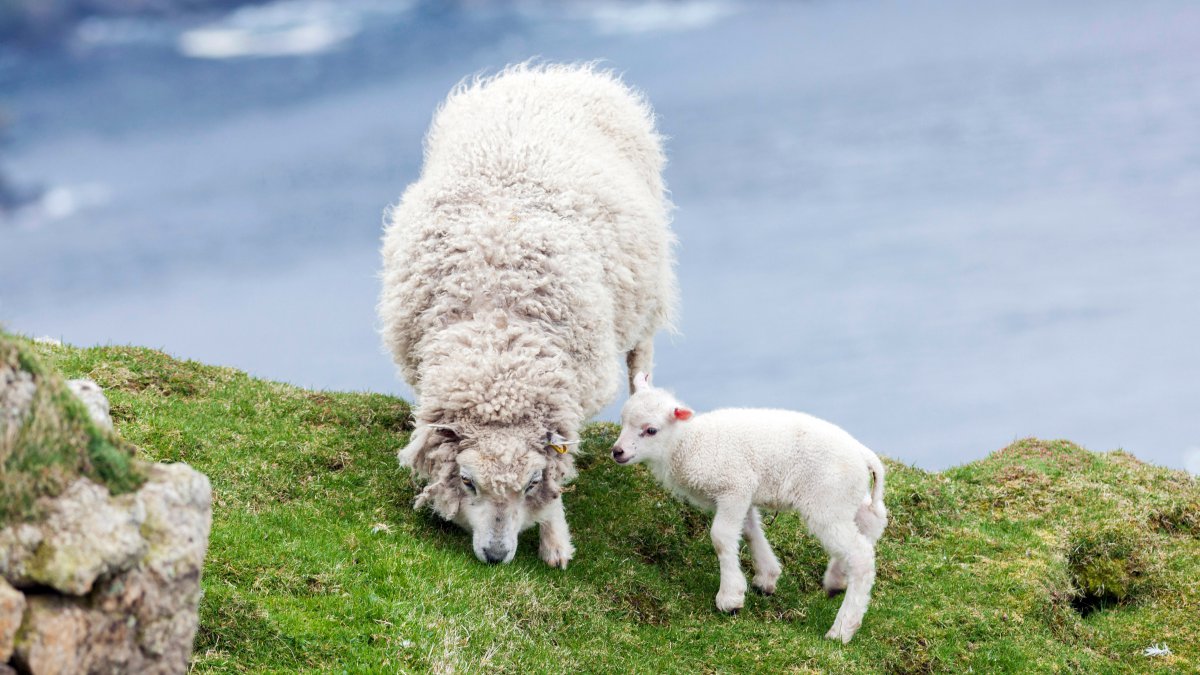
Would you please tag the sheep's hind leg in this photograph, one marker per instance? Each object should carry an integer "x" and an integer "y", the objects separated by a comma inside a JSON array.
[
  {"x": 556, "y": 549},
  {"x": 766, "y": 565},
  {"x": 845, "y": 542},
  {"x": 640, "y": 359},
  {"x": 726, "y": 538}
]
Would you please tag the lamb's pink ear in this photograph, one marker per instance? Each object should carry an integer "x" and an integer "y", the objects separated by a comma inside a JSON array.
[
  {"x": 683, "y": 414},
  {"x": 640, "y": 381}
]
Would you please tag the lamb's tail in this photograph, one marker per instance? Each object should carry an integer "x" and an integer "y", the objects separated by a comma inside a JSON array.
[{"x": 872, "y": 514}]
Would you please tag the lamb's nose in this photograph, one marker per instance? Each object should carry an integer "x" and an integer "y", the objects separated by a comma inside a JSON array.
[{"x": 617, "y": 452}]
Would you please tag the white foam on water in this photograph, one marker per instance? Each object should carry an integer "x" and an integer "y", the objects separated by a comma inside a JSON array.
[
  {"x": 64, "y": 201},
  {"x": 611, "y": 18},
  {"x": 284, "y": 28}
]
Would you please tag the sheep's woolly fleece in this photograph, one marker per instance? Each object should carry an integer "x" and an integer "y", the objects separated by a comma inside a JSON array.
[{"x": 532, "y": 253}]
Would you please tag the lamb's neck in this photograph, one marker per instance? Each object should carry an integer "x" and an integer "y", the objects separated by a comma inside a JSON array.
[{"x": 660, "y": 466}]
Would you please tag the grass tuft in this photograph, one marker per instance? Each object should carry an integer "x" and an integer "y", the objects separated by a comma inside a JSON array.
[{"x": 1109, "y": 563}]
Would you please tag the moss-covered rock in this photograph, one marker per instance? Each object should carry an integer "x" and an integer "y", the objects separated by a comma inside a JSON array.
[{"x": 48, "y": 439}]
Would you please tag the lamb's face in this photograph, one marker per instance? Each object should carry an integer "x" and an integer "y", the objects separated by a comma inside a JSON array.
[
  {"x": 502, "y": 475},
  {"x": 649, "y": 420}
]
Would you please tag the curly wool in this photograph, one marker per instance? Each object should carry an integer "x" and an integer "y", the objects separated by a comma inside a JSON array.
[{"x": 533, "y": 252}]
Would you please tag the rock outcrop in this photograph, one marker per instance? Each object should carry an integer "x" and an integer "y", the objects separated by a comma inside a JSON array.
[{"x": 102, "y": 583}]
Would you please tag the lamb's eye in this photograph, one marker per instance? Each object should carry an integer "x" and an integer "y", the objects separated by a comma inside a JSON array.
[
  {"x": 468, "y": 483},
  {"x": 650, "y": 431},
  {"x": 532, "y": 485}
]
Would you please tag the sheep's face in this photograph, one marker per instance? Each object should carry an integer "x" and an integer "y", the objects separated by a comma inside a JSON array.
[
  {"x": 504, "y": 477},
  {"x": 649, "y": 420}
]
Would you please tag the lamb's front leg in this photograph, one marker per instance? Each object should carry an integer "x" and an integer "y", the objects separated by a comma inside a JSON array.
[
  {"x": 726, "y": 538},
  {"x": 766, "y": 565},
  {"x": 556, "y": 548}
]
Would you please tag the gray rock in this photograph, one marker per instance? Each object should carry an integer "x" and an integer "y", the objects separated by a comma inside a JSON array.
[
  {"x": 16, "y": 394},
  {"x": 85, "y": 534},
  {"x": 12, "y": 609},
  {"x": 128, "y": 571},
  {"x": 117, "y": 579},
  {"x": 93, "y": 398}
]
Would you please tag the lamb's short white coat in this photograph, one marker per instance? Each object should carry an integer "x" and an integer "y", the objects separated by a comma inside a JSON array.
[
  {"x": 734, "y": 461},
  {"x": 533, "y": 253}
]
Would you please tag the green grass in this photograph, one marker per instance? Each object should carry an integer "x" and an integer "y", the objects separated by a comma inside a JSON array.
[
  {"x": 56, "y": 443},
  {"x": 318, "y": 562}
]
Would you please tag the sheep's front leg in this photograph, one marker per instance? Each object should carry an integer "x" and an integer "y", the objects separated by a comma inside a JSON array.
[
  {"x": 556, "y": 548},
  {"x": 640, "y": 359},
  {"x": 766, "y": 565},
  {"x": 726, "y": 538}
]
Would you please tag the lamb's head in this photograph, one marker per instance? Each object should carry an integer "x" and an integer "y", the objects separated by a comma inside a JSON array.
[
  {"x": 492, "y": 480},
  {"x": 649, "y": 420}
]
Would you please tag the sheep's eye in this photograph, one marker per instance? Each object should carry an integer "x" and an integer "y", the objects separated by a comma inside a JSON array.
[
  {"x": 650, "y": 431},
  {"x": 532, "y": 484},
  {"x": 468, "y": 483}
]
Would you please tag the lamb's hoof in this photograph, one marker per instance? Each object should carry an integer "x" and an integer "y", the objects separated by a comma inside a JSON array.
[
  {"x": 843, "y": 633},
  {"x": 765, "y": 583},
  {"x": 765, "y": 588},
  {"x": 557, "y": 556},
  {"x": 834, "y": 592},
  {"x": 730, "y": 603}
]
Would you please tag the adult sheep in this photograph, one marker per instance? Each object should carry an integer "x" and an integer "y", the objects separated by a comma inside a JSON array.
[{"x": 533, "y": 252}]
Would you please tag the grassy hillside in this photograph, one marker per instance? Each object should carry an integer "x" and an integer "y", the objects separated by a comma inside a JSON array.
[{"x": 1042, "y": 557}]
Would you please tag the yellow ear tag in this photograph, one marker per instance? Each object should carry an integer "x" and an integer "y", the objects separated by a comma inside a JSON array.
[{"x": 560, "y": 449}]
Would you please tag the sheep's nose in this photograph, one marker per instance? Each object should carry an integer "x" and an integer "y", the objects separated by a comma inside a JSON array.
[
  {"x": 617, "y": 452},
  {"x": 494, "y": 554}
]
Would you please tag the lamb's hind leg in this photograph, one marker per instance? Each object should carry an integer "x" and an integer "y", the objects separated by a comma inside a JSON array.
[
  {"x": 844, "y": 542},
  {"x": 834, "y": 581},
  {"x": 640, "y": 359},
  {"x": 726, "y": 538},
  {"x": 766, "y": 565}
]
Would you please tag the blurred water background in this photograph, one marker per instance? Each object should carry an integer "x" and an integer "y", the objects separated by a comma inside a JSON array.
[{"x": 941, "y": 225}]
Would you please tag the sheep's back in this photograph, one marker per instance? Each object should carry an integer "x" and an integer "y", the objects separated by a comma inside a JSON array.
[{"x": 541, "y": 196}]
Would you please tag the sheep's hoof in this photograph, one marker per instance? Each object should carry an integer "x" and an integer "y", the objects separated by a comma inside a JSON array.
[
  {"x": 834, "y": 592},
  {"x": 557, "y": 556}
]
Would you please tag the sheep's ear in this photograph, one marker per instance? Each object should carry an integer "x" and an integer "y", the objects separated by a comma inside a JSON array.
[
  {"x": 555, "y": 438},
  {"x": 683, "y": 414},
  {"x": 425, "y": 439},
  {"x": 446, "y": 431},
  {"x": 421, "y": 437},
  {"x": 640, "y": 381}
]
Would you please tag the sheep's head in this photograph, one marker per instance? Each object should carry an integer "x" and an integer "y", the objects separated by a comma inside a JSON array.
[
  {"x": 493, "y": 480},
  {"x": 649, "y": 419}
]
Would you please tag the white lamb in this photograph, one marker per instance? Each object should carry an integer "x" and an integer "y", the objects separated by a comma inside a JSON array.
[
  {"x": 529, "y": 260},
  {"x": 738, "y": 460}
]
